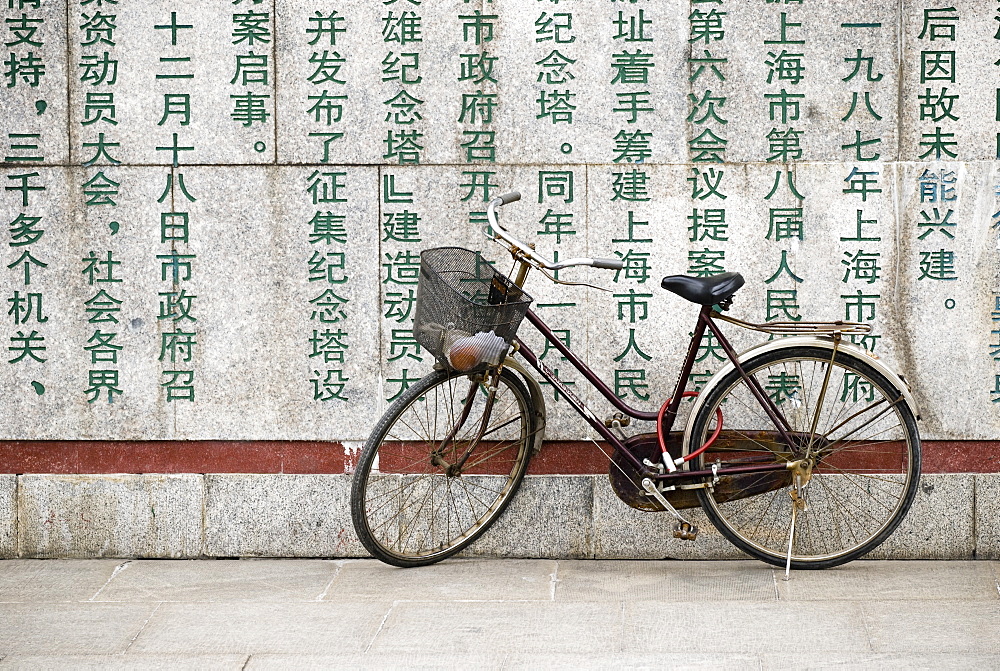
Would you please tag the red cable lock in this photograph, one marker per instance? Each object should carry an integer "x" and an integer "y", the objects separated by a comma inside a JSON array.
[{"x": 659, "y": 429}]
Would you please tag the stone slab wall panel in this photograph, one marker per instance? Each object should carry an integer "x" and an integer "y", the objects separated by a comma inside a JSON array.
[
  {"x": 213, "y": 215},
  {"x": 214, "y": 211},
  {"x": 8, "y": 516},
  {"x": 987, "y": 516},
  {"x": 76, "y": 516},
  {"x": 557, "y": 517},
  {"x": 940, "y": 523},
  {"x": 279, "y": 516}
]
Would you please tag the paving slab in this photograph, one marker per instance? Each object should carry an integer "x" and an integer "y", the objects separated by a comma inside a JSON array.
[
  {"x": 53, "y": 580},
  {"x": 508, "y": 660},
  {"x": 71, "y": 628},
  {"x": 893, "y": 581},
  {"x": 496, "y": 614},
  {"x": 664, "y": 581},
  {"x": 370, "y": 660},
  {"x": 235, "y": 581},
  {"x": 864, "y": 659},
  {"x": 740, "y": 627},
  {"x": 498, "y": 626},
  {"x": 178, "y": 628},
  {"x": 363, "y": 581},
  {"x": 126, "y": 662},
  {"x": 960, "y": 626}
]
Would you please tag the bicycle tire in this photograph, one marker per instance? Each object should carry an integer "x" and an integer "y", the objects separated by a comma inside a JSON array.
[
  {"x": 411, "y": 508},
  {"x": 866, "y": 446}
]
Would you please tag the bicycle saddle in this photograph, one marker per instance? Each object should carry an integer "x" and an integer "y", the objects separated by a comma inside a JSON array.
[{"x": 704, "y": 290}]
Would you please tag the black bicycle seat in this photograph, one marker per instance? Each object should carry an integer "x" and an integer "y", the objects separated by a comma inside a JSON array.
[{"x": 704, "y": 290}]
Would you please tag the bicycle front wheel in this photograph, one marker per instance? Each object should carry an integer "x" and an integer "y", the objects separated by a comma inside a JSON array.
[
  {"x": 850, "y": 427},
  {"x": 441, "y": 466}
]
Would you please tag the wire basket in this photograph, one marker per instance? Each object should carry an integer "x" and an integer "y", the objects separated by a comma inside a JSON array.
[{"x": 467, "y": 313}]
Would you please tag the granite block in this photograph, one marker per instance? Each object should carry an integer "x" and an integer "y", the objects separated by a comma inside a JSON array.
[
  {"x": 279, "y": 516},
  {"x": 810, "y": 102},
  {"x": 35, "y": 120},
  {"x": 110, "y": 515},
  {"x": 945, "y": 58},
  {"x": 621, "y": 532},
  {"x": 987, "y": 540},
  {"x": 790, "y": 76},
  {"x": 8, "y": 516},
  {"x": 939, "y": 525},
  {"x": 174, "y": 86},
  {"x": 550, "y": 517}
]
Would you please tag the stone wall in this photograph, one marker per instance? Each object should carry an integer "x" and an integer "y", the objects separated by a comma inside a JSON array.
[
  {"x": 569, "y": 516},
  {"x": 214, "y": 209}
]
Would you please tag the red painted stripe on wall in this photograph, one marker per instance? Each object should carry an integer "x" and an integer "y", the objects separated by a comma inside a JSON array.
[{"x": 218, "y": 456}]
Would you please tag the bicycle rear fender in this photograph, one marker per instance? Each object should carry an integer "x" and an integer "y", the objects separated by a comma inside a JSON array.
[
  {"x": 537, "y": 400},
  {"x": 823, "y": 342}
]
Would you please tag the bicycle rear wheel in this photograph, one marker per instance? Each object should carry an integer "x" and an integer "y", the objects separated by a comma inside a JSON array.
[
  {"x": 864, "y": 451},
  {"x": 441, "y": 466}
]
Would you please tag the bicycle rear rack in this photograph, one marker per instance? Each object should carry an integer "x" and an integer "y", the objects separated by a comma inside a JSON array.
[{"x": 799, "y": 328}]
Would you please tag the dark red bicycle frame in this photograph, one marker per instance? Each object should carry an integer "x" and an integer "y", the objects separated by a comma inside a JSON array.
[{"x": 704, "y": 321}]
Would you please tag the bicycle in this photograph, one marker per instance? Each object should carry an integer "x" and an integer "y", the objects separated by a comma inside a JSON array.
[{"x": 802, "y": 451}]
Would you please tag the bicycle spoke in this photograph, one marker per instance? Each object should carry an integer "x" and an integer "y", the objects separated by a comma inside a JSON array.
[
  {"x": 414, "y": 511},
  {"x": 864, "y": 457}
]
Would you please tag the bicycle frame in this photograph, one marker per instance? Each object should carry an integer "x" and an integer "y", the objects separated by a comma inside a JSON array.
[{"x": 705, "y": 321}]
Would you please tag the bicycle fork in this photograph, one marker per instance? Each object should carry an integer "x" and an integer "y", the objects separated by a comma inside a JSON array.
[{"x": 456, "y": 468}]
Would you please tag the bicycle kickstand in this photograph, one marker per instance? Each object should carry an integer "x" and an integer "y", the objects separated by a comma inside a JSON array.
[
  {"x": 683, "y": 529},
  {"x": 798, "y": 503}
]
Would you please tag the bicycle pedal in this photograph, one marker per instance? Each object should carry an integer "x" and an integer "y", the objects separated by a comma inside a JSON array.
[{"x": 685, "y": 531}]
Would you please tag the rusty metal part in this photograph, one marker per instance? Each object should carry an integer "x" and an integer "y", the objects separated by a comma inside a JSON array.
[
  {"x": 802, "y": 471},
  {"x": 626, "y": 481},
  {"x": 621, "y": 418},
  {"x": 800, "y": 327},
  {"x": 685, "y": 531},
  {"x": 682, "y": 523}
]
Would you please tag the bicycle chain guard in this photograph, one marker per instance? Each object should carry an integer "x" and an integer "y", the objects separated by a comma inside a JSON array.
[{"x": 627, "y": 482}]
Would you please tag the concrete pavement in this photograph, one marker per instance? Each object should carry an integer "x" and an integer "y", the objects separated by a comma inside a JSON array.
[{"x": 496, "y": 614}]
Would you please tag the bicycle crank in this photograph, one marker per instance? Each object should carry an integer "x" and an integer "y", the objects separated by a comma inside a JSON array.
[{"x": 683, "y": 529}]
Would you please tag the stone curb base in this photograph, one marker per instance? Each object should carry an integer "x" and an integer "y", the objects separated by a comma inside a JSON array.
[{"x": 557, "y": 516}]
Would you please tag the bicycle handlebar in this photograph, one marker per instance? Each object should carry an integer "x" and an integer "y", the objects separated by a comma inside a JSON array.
[{"x": 505, "y": 235}]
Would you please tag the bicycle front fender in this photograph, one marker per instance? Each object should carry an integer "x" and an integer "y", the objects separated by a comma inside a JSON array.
[
  {"x": 824, "y": 342},
  {"x": 537, "y": 401}
]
